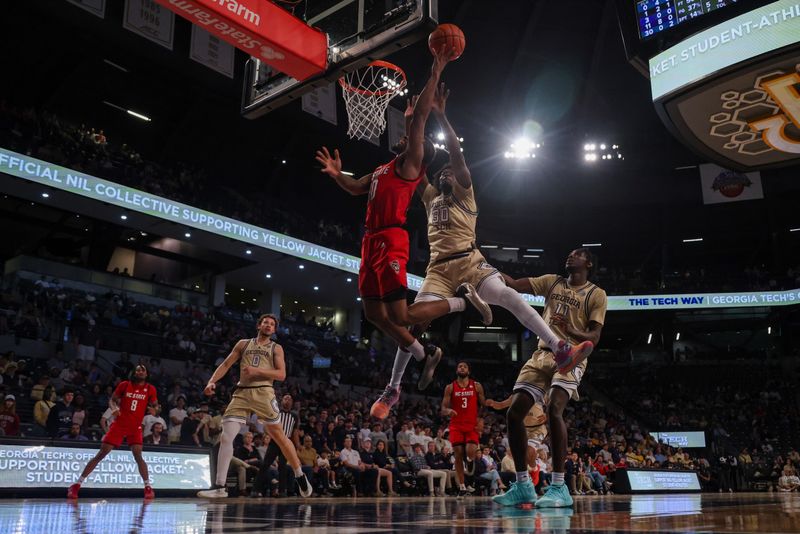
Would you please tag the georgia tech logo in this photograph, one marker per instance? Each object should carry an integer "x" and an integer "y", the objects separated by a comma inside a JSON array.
[
  {"x": 773, "y": 128},
  {"x": 731, "y": 183}
]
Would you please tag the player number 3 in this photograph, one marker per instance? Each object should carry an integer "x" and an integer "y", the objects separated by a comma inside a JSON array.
[{"x": 463, "y": 402}]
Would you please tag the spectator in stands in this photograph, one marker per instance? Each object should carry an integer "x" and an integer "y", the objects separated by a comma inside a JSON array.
[
  {"x": 437, "y": 461},
  {"x": 176, "y": 418},
  {"x": 789, "y": 481},
  {"x": 59, "y": 419},
  {"x": 41, "y": 410},
  {"x": 153, "y": 416},
  {"x": 386, "y": 467},
  {"x": 351, "y": 462},
  {"x": 87, "y": 342},
  {"x": 247, "y": 453},
  {"x": 378, "y": 434},
  {"x": 189, "y": 435},
  {"x": 490, "y": 471},
  {"x": 74, "y": 433},
  {"x": 442, "y": 443},
  {"x": 37, "y": 391},
  {"x": 156, "y": 435},
  {"x": 308, "y": 463},
  {"x": 80, "y": 414},
  {"x": 404, "y": 441},
  {"x": 123, "y": 367},
  {"x": 9, "y": 420},
  {"x": 422, "y": 469}
]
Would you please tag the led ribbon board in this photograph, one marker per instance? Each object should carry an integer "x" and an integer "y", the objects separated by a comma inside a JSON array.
[
  {"x": 129, "y": 198},
  {"x": 741, "y": 38}
]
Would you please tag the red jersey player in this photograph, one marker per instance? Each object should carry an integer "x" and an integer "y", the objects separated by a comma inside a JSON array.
[
  {"x": 384, "y": 249},
  {"x": 461, "y": 400},
  {"x": 129, "y": 403}
]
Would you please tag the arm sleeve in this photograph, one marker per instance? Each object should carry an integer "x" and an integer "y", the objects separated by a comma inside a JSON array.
[
  {"x": 541, "y": 284},
  {"x": 597, "y": 307}
]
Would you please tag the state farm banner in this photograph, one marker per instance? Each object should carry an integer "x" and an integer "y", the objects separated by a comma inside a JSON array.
[
  {"x": 95, "y": 7},
  {"x": 211, "y": 51},
  {"x": 149, "y": 20},
  {"x": 321, "y": 102},
  {"x": 262, "y": 30},
  {"x": 723, "y": 185}
]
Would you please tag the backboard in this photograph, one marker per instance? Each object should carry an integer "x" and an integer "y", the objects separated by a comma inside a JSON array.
[{"x": 358, "y": 31}]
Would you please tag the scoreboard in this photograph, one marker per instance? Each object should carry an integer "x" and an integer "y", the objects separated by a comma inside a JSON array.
[{"x": 655, "y": 16}]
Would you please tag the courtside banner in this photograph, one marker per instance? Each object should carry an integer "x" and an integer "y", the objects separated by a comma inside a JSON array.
[
  {"x": 54, "y": 465},
  {"x": 62, "y": 178},
  {"x": 260, "y": 29}
]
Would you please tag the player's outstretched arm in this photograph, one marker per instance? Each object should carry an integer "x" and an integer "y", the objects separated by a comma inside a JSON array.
[
  {"x": 481, "y": 394},
  {"x": 592, "y": 334},
  {"x": 499, "y": 405},
  {"x": 223, "y": 368},
  {"x": 332, "y": 166},
  {"x": 410, "y": 163},
  {"x": 279, "y": 373},
  {"x": 457, "y": 162},
  {"x": 520, "y": 285},
  {"x": 446, "y": 410}
]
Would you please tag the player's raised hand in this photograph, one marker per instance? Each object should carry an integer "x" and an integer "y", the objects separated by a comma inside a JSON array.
[
  {"x": 440, "y": 99},
  {"x": 331, "y": 165},
  {"x": 209, "y": 389},
  {"x": 410, "y": 103},
  {"x": 441, "y": 58}
]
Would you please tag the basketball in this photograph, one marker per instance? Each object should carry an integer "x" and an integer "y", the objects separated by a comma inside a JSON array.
[{"x": 447, "y": 35}]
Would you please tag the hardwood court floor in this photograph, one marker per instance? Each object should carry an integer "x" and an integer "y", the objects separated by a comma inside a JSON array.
[{"x": 745, "y": 512}]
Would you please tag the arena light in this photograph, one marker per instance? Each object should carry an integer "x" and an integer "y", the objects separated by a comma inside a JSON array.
[
  {"x": 592, "y": 245},
  {"x": 693, "y": 240},
  {"x": 316, "y": 288},
  {"x": 531, "y": 256},
  {"x": 488, "y": 246},
  {"x": 794, "y": 229},
  {"x": 283, "y": 162},
  {"x": 268, "y": 275},
  {"x": 45, "y": 195},
  {"x": 349, "y": 280},
  {"x": 534, "y": 250},
  {"x": 123, "y": 217},
  {"x": 187, "y": 234},
  {"x": 678, "y": 336},
  {"x": 769, "y": 330},
  {"x": 522, "y": 148},
  {"x": 301, "y": 266},
  {"x": 649, "y": 338},
  {"x": 510, "y": 248},
  {"x": 138, "y": 115},
  {"x": 347, "y": 173},
  {"x": 248, "y": 251},
  {"x": 358, "y": 299},
  {"x": 440, "y": 136}
]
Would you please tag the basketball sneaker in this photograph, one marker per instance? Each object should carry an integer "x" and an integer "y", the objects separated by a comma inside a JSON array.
[
  {"x": 305, "y": 488},
  {"x": 518, "y": 493},
  {"x": 217, "y": 492},
  {"x": 433, "y": 355},
  {"x": 556, "y": 496},
  {"x": 72, "y": 492},
  {"x": 470, "y": 295},
  {"x": 568, "y": 357},
  {"x": 389, "y": 397},
  {"x": 149, "y": 493}
]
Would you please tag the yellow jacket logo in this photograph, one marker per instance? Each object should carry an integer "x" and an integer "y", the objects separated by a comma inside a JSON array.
[{"x": 773, "y": 128}]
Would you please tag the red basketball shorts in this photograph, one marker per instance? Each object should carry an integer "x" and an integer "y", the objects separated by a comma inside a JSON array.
[
  {"x": 384, "y": 255},
  {"x": 462, "y": 436},
  {"x": 119, "y": 432}
]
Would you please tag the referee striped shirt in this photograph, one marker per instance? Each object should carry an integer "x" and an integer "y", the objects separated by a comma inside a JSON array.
[{"x": 288, "y": 422}]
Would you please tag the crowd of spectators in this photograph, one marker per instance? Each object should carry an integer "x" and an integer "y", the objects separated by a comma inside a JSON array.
[{"x": 747, "y": 415}]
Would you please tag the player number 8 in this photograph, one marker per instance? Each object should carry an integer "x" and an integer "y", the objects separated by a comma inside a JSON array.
[{"x": 133, "y": 405}]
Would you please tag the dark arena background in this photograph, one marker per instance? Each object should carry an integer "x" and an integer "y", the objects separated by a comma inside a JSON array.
[{"x": 161, "y": 191}]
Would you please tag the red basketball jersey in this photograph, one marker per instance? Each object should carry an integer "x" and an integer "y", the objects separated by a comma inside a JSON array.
[
  {"x": 389, "y": 197},
  {"x": 135, "y": 399},
  {"x": 465, "y": 402}
]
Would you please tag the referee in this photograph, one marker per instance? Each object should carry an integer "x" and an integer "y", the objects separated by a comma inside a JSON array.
[{"x": 289, "y": 423}]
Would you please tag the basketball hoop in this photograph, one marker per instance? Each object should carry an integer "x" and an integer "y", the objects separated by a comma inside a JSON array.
[{"x": 367, "y": 92}]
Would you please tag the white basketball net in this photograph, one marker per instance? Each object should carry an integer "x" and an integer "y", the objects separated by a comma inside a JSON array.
[{"x": 367, "y": 92}]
